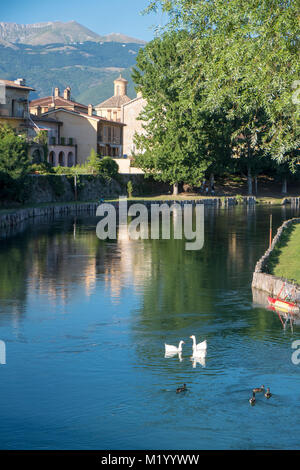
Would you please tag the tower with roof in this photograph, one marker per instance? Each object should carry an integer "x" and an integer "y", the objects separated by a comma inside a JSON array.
[{"x": 111, "y": 108}]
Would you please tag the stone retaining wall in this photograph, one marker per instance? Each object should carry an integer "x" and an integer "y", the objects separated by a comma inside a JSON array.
[
  {"x": 267, "y": 282},
  {"x": 12, "y": 219}
]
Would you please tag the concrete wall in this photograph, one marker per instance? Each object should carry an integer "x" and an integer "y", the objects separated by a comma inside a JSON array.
[{"x": 125, "y": 168}]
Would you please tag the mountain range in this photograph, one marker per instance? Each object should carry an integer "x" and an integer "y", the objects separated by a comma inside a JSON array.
[
  {"x": 60, "y": 54},
  {"x": 53, "y": 32}
]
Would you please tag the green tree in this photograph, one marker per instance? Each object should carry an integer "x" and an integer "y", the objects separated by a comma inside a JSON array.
[
  {"x": 248, "y": 54},
  {"x": 174, "y": 147},
  {"x": 14, "y": 160}
]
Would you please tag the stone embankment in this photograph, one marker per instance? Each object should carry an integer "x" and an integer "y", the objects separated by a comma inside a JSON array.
[
  {"x": 13, "y": 218},
  {"x": 267, "y": 282}
]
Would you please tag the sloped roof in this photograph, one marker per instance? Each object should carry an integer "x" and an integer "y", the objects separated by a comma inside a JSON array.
[
  {"x": 58, "y": 101},
  {"x": 43, "y": 118},
  {"x": 84, "y": 115},
  {"x": 11, "y": 84},
  {"x": 114, "y": 102}
]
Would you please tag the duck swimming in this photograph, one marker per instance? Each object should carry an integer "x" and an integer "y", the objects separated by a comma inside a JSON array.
[
  {"x": 181, "y": 389},
  {"x": 259, "y": 389},
  {"x": 268, "y": 394},
  {"x": 252, "y": 400}
]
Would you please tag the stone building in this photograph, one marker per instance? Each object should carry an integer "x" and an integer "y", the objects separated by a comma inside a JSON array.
[
  {"x": 14, "y": 101},
  {"x": 111, "y": 109},
  {"x": 130, "y": 113},
  {"x": 88, "y": 132}
]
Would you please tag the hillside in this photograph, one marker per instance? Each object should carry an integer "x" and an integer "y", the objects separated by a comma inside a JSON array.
[
  {"x": 88, "y": 68},
  {"x": 54, "y": 32}
]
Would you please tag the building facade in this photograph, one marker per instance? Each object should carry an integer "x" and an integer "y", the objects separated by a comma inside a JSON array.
[
  {"x": 89, "y": 132},
  {"x": 14, "y": 104},
  {"x": 111, "y": 109},
  {"x": 130, "y": 114}
]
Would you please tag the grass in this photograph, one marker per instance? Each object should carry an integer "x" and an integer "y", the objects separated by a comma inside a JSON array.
[{"x": 285, "y": 259}]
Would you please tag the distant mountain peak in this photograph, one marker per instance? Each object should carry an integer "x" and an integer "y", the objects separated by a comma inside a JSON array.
[{"x": 56, "y": 32}]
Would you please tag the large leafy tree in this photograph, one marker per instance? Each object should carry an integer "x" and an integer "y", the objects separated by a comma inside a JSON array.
[
  {"x": 248, "y": 53},
  {"x": 181, "y": 139}
]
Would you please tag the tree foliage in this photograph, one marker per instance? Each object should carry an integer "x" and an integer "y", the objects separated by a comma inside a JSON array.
[
  {"x": 181, "y": 139},
  {"x": 220, "y": 80},
  {"x": 14, "y": 160}
]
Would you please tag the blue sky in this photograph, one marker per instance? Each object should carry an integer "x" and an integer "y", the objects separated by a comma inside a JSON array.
[{"x": 101, "y": 16}]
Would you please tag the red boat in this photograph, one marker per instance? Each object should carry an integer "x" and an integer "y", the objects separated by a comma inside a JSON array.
[{"x": 284, "y": 305}]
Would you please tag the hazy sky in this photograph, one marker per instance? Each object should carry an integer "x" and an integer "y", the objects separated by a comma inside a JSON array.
[{"x": 101, "y": 16}]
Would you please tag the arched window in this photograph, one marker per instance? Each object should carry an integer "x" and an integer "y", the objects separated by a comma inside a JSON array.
[
  {"x": 61, "y": 159},
  {"x": 71, "y": 160},
  {"x": 52, "y": 158},
  {"x": 36, "y": 156}
]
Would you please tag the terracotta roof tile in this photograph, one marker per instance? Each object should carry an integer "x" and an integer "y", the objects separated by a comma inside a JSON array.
[
  {"x": 58, "y": 101},
  {"x": 114, "y": 102}
]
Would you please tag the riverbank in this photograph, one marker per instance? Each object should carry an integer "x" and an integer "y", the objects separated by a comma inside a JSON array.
[
  {"x": 284, "y": 261},
  {"x": 11, "y": 217},
  {"x": 276, "y": 270}
]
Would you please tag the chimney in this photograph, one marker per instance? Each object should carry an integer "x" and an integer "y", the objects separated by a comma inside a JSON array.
[
  {"x": 67, "y": 93},
  {"x": 20, "y": 81},
  {"x": 38, "y": 110},
  {"x": 56, "y": 92},
  {"x": 90, "y": 110}
]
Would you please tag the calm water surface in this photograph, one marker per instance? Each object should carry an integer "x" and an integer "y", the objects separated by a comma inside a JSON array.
[{"x": 85, "y": 323}]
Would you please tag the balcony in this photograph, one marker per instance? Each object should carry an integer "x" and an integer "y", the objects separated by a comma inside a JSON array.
[{"x": 64, "y": 141}]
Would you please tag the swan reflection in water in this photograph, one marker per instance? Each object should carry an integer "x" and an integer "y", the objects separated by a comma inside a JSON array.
[
  {"x": 198, "y": 359},
  {"x": 173, "y": 354}
]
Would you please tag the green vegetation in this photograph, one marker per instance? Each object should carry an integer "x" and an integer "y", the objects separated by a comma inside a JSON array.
[
  {"x": 284, "y": 261},
  {"x": 14, "y": 163},
  {"x": 89, "y": 68},
  {"x": 108, "y": 167},
  {"x": 221, "y": 82},
  {"x": 129, "y": 189}
]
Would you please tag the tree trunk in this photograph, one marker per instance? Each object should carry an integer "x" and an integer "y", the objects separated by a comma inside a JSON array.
[
  {"x": 249, "y": 181},
  {"x": 256, "y": 184},
  {"x": 211, "y": 180},
  {"x": 175, "y": 189},
  {"x": 284, "y": 185}
]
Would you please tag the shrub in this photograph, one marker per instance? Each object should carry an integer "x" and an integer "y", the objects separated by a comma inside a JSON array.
[
  {"x": 41, "y": 168},
  {"x": 108, "y": 167},
  {"x": 129, "y": 188}
]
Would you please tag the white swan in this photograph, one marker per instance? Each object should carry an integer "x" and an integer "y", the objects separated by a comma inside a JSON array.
[
  {"x": 169, "y": 349},
  {"x": 200, "y": 348}
]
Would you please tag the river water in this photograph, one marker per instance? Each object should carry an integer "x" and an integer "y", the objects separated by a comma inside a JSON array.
[{"x": 84, "y": 322}]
